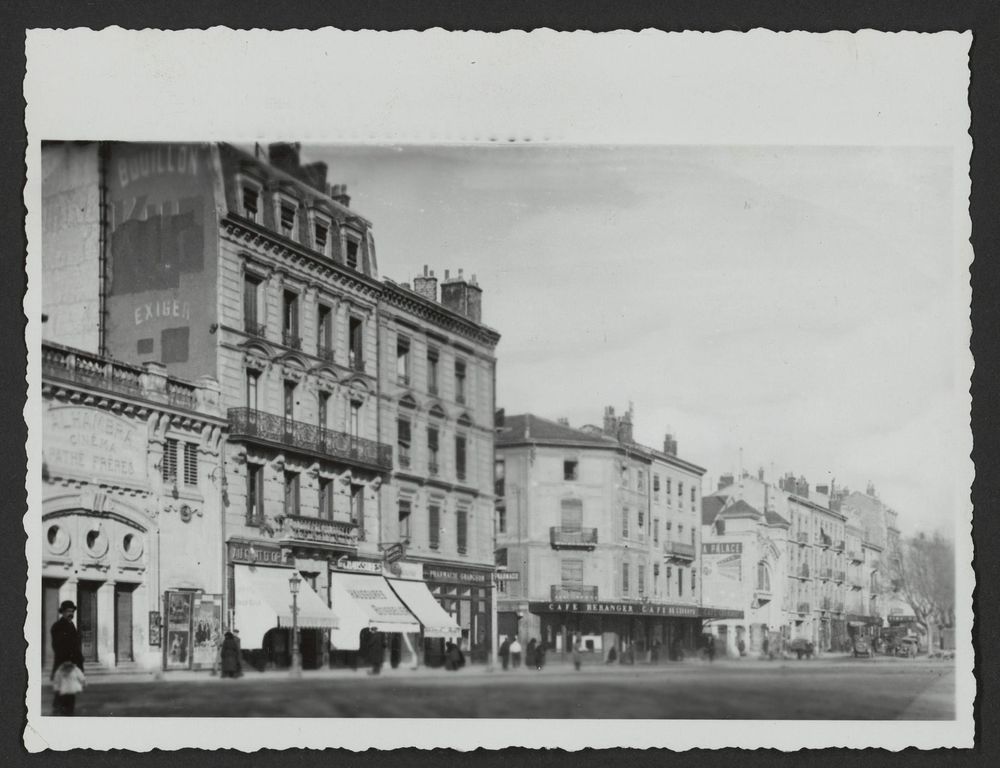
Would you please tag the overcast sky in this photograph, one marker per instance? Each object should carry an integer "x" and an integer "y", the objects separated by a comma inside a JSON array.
[{"x": 795, "y": 302}]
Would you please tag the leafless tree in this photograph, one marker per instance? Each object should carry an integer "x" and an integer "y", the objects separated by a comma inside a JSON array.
[{"x": 927, "y": 579}]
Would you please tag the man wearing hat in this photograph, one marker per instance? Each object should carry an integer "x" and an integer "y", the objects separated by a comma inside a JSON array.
[{"x": 66, "y": 648}]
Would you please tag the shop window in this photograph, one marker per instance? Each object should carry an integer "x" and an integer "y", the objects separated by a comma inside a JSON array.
[
  {"x": 168, "y": 466},
  {"x": 434, "y": 526},
  {"x": 403, "y": 360},
  {"x": 405, "y": 508},
  {"x": 571, "y": 470},
  {"x": 255, "y": 494},
  {"x": 403, "y": 442},
  {"x": 190, "y": 464},
  {"x": 462, "y": 530}
]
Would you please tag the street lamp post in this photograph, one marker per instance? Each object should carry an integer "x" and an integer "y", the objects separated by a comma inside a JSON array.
[{"x": 293, "y": 586}]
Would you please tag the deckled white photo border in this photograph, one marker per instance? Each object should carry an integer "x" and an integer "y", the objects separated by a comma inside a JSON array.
[{"x": 756, "y": 88}]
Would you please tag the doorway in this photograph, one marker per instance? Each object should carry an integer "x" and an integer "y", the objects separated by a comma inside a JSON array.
[
  {"x": 123, "y": 623},
  {"x": 50, "y": 614},
  {"x": 86, "y": 618}
]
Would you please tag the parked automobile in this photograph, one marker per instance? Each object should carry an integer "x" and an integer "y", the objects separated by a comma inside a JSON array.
[
  {"x": 907, "y": 646},
  {"x": 801, "y": 647},
  {"x": 863, "y": 647}
]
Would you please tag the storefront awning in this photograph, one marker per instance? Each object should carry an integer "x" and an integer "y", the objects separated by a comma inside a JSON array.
[
  {"x": 366, "y": 601},
  {"x": 429, "y": 613},
  {"x": 264, "y": 601}
]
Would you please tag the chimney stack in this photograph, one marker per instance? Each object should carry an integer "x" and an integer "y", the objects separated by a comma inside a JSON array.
[
  {"x": 284, "y": 156},
  {"x": 314, "y": 175},
  {"x": 725, "y": 481},
  {"x": 455, "y": 294},
  {"x": 426, "y": 285},
  {"x": 610, "y": 422},
  {"x": 625, "y": 428},
  {"x": 339, "y": 193},
  {"x": 669, "y": 445}
]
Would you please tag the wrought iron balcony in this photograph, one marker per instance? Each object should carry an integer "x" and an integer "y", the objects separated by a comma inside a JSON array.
[
  {"x": 292, "y": 340},
  {"x": 356, "y": 362},
  {"x": 679, "y": 549},
  {"x": 325, "y": 353},
  {"x": 572, "y": 538},
  {"x": 253, "y": 328},
  {"x": 308, "y": 438},
  {"x": 803, "y": 608},
  {"x": 316, "y": 530},
  {"x": 573, "y": 592}
]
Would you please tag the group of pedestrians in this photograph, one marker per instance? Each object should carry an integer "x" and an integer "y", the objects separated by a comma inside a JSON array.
[{"x": 510, "y": 653}]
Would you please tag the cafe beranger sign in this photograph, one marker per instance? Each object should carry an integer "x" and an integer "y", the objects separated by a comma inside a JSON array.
[{"x": 632, "y": 609}]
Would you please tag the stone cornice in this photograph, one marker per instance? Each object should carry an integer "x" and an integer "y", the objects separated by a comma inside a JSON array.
[{"x": 400, "y": 298}]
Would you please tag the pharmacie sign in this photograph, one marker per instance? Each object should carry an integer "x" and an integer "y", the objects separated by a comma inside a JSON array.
[{"x": 624, "y": 609}]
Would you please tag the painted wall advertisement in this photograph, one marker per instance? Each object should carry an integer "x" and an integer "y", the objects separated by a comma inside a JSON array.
[
  {"x": 162, "y": 228},
  {"x": 91, "y": 442},
  {"x": 722, "y": 573}
]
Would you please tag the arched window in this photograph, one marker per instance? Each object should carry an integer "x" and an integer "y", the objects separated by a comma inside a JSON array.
[{"x": 763, "y": 577}]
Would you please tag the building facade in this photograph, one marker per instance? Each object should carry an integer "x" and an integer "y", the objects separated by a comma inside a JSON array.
[
  {"x": 249, "y": 268},
  {"x": 603, "y": 533},
  {"x": 131, "y": 498}
]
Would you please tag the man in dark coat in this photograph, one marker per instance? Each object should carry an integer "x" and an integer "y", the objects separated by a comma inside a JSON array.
[
  {"x": 376, "y": 652},
  {"x": 230, "y": 656},
  {"x": 505, "y": 652},
  {"x": 65, "y": 647}
]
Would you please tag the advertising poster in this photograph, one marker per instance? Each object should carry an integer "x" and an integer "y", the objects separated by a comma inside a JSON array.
[
  {"x": 206, "y": 630},
  {"x": 177, "y": 650},
  {"x": 155, "y": 629},
  {"x": 722, "y": 573}
]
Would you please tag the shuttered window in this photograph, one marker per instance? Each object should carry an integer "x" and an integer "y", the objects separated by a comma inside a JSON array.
[
  {"x": 168, "y": 466},
  {"x": 462, "y": 529},
  {"x": 434, "y": 525},
  {"x": 190, "y": 464}
]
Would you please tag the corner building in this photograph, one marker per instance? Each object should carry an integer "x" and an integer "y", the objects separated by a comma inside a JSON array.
[
  {"x": 248, "y": 268},
  {"x": 604, "y": 534}
]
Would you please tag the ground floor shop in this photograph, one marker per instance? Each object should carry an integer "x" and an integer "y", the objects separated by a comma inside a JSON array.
[
  {"x": 464, "y": 594},
  {"x": 610, "y": 631}
]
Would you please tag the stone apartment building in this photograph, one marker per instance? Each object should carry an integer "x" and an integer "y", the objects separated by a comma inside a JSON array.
[
  {"x": 604, "y": 534},
  {"x": 248, "y": 268}
]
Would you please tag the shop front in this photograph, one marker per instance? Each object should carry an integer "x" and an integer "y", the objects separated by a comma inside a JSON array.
[
  {"x": 260, "y": 587},
  {"x": 464, "y": 594},
  {"x": 624, "y": 631}
]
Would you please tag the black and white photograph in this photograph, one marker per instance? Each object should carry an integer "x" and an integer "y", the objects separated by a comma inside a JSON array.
[{"x": 541, "y": 381}]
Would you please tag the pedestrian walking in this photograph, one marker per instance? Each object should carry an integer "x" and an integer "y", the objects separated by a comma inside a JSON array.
[
  {"x": 230, "y": 656},
  {"x": 577, "y": 654},
  {"x": 239, "y": 653},
  {"x": 710, "y": 639},
  {"x": 612, "y": 655},
  {"x": 505, "y": 652},
  {"x": 454, "y": 659},
  {"x": 766, "y": 646},
  {"x": 539, "y": 660},
  {"x": 529, "y": 653},
  {"x": 515, "y": 653},
  {"x": 376, "y": 652},
  {"x": 66, "y": 649}
]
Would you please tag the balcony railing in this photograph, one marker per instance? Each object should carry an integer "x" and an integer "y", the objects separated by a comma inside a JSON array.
[
  {"x": 679, "y": 549},
  {"x": 583, "y": 538},
  {"x": 181, "y": 394},
  {"x": 253, "y": 328},
  {"x": 309, "y": 438},
  {"x": 803, "y": 608},
  {"x": 574, "y": 592},
  {"x": 292, "y": 340},
  {"x": 316, "y": 530},
  {"x": 803, "y": 538},
  {"x": 356, "y": 362}
]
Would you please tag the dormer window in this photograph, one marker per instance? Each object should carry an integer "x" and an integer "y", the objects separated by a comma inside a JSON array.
[
  {"x": 287, "y": 218},
  {"x": 352, "y": 253},
  {"x": 321, "y": 236},
  {"x": 251, "y": 203}
]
